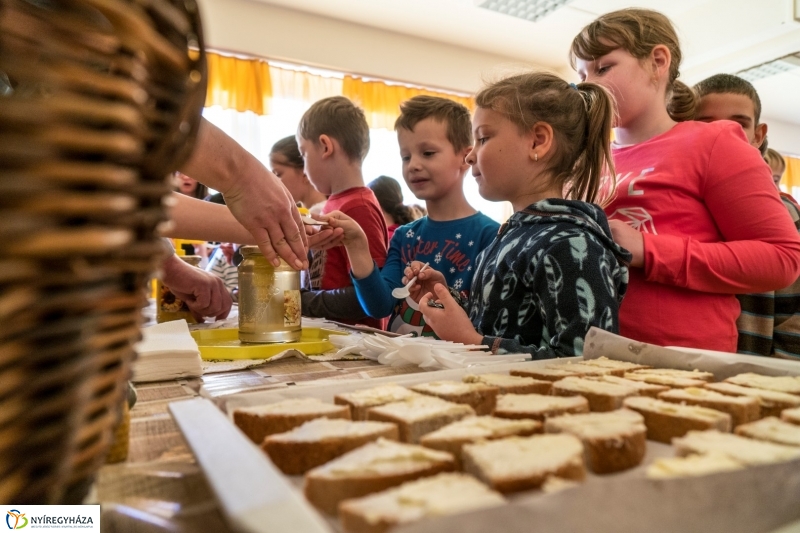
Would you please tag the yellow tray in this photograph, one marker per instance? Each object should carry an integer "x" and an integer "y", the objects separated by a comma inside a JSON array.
[{"x": 224, "y": 344}]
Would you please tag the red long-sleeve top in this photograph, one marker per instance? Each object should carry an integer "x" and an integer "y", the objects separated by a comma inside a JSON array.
[{"x": 713, "y": 226}]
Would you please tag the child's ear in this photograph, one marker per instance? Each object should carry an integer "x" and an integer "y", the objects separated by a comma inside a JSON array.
[
  {"x": 661, "y": 59},
  {"x": 761, "y": 134},
  {"x": 541, "y": 136},
  {"x": 463, "y": 156},
  {"x": 327, "y": 145}
]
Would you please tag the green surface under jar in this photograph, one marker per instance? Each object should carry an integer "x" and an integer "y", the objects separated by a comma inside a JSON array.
[{"x": 269, "y": 299}]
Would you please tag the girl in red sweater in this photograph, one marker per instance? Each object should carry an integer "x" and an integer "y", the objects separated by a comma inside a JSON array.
[{"x": 695, "y": 203}]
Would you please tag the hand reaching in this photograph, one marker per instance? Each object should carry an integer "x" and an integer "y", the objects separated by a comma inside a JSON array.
[
  {"x": 204, "y": 293},
  {"x": 451, "y": 322},
  {"x": 426, "y": 279}
]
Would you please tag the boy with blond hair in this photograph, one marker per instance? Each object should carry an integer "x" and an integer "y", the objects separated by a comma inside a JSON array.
[
  {"x": 769, "y": 323},
  {"x": 333, "y": 138},
  {"x": 435, "y": 135}
]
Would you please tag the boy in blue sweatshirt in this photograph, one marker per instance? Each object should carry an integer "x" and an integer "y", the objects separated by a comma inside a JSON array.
[{"x": 435, "y": 135}]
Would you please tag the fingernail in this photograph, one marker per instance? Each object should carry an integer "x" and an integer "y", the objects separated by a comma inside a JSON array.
[
  {"x": 298, "y": 263},
  {"x": 276, "y": 262}
]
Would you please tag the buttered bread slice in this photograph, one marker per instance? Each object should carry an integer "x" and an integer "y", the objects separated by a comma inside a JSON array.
[
  {"x": 586, "y": 370},
  {"x": 480, "y": 396},
  {"x": 612, "y": 441},
  {"x": 440, "y": 495},
  {"x": 746, "y": 451},
  {"x": 545, "y": 374},
  {"x": 791, "y": 415},
  {"x": 664, "y": 379},
  {"x": 693, "y": 465},
  {"x": 787, "y": 384},
  {"x": 605, "y": 362},
  {"x": 372, "y": 468},
  {"x": 642, "y": 388},
  {"x": 743, "y": 409},
  {"x": 771, "y": 402},
  {"x": 361, "y": 400},
  {"x": 666, "y": 420},
  {"x": 511, "y": 384},
  {"x": 419, "y": 415},
  {"x": 602, "y": 396},
  {"x": 322, "y": 440},
  {"x": 260, "y": 421},
  {"x": 683, "y": 374},
  {"x": 521, "y": 463},
  {"x": 771, "y": 429},
  {"x": 453, "y": 437},
  {"x": 538, "y": 406}
]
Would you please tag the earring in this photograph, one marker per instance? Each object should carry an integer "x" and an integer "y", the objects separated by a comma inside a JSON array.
[{"x": 535, "y": 156}]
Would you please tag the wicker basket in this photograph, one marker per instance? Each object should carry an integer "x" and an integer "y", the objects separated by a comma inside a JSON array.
[{"x": 99, "y": 102}]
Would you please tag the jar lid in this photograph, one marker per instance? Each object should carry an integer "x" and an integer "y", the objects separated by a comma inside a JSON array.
[{"x": 252, "y": 250}]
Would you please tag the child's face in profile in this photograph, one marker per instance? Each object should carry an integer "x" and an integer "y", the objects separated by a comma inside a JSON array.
[
  {"x": 500, "y": 158},
  {"x": 431, "y": 166},
  {"x": 312, "y": 156},
  {"x": 736, "y": 107}
]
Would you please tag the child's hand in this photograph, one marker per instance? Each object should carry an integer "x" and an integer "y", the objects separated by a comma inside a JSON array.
[
  {"x": 426, "y": 280},
  {"x": 353, "y": 235},
  {"x": 630, "y": 239},
  {"x": 450, "y": 323},
  {"x": 324, "y": 237}
]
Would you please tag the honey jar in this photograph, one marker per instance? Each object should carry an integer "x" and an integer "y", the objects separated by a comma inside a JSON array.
[
  {"x": 269, "y": 299},
  {"x": 170, "y": 307}
]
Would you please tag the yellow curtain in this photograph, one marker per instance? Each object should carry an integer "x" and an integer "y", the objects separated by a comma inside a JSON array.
[
  {"x": 791, "y": 178},
  {"x": 381, "y": 102},
  {"x": 240, "y": 84},
  {"x": 298, "y": 85}
]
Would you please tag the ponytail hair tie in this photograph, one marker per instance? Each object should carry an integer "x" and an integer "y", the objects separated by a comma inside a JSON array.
[{"x": 573, "y": 86}]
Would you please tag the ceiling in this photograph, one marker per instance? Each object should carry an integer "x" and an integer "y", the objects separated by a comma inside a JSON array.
[{"x": 716, "y": 35}]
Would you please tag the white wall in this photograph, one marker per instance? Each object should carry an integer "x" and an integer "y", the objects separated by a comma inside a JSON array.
[
  {"x": 783, "y": 136},
  {"x": 269, "y": 31}
]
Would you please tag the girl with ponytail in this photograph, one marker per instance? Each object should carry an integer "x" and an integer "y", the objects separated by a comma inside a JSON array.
[
  {"x": 553, "y": 270},
  {"x": 389, "y": 194},
  {"x": 694, "y": 201}
]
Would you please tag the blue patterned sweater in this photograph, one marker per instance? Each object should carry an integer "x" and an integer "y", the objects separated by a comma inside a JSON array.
[{"x": 552, "y": 272}]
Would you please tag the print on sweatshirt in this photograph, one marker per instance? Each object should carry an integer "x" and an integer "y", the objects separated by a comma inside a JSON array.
[{"x": 552, "y": 272}]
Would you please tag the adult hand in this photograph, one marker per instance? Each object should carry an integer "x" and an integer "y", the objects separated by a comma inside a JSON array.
[
  {"x": 630, "y": 239},
  {"x": 204, "y": 293},
  {"x": 257, "y": 198},
  {"x": 450, "y": 323},
  {"x": 426, "y": 279}
]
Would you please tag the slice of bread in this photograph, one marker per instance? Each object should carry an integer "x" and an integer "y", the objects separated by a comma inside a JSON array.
[
  {"x": 453, "y": 437},
  {"x": 419, "y": 415},
  {"x": 693, "y": 465},
  {"x": 671, "y": 372},
  {"x": 661, "y": 379},
  {"x": 511, "y": 384},
  {"x": 440, "y": 495},
  {"x": 586, "y": 370},
  {"x": 665, "y": 420},
  {"x": 772, "y": 403},
  {"x": 602, "y": 396},
  {"x": 521, "y": 463},
  {"x": 361, "y": 400},
  {"x": 771, "y": 429},
  {"x": 742, "y": 409},
  {"x": 612, "y": 441},
  {"x": 479, "y": 396},
  {"x": 545, "y": 374},
  {"x": 538, "y": 406},
  {"x": 642, "y": 388},
  {"x": 371, "y": 468},
  {"x": 260, "y": 421},
  {"x": 741, "y": 449},
  {"x": 791, "y": 415},
  {"x": 787, "y": 384},
  {"x": 605, "y": 362},
  {"x": 322, "y": 440}
]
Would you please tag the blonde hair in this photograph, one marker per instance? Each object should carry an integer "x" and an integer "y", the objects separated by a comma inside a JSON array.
[
  {"x": 338, "y": 118},
  {"x": 775, "y": 160},
  {"x": 581, "y": 117},
  {"x": 638, "y": 31}
]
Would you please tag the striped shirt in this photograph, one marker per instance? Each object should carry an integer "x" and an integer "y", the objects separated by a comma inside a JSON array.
[{"x": 220, "y": 267}]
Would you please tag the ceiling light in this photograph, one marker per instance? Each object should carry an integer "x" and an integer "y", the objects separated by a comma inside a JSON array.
[
  {"x": 771, "y": 68},
  {"x": 531, "y": 10}
]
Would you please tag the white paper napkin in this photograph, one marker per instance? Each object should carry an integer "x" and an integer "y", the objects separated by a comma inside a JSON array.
[{"x": 167, "y": 351}]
